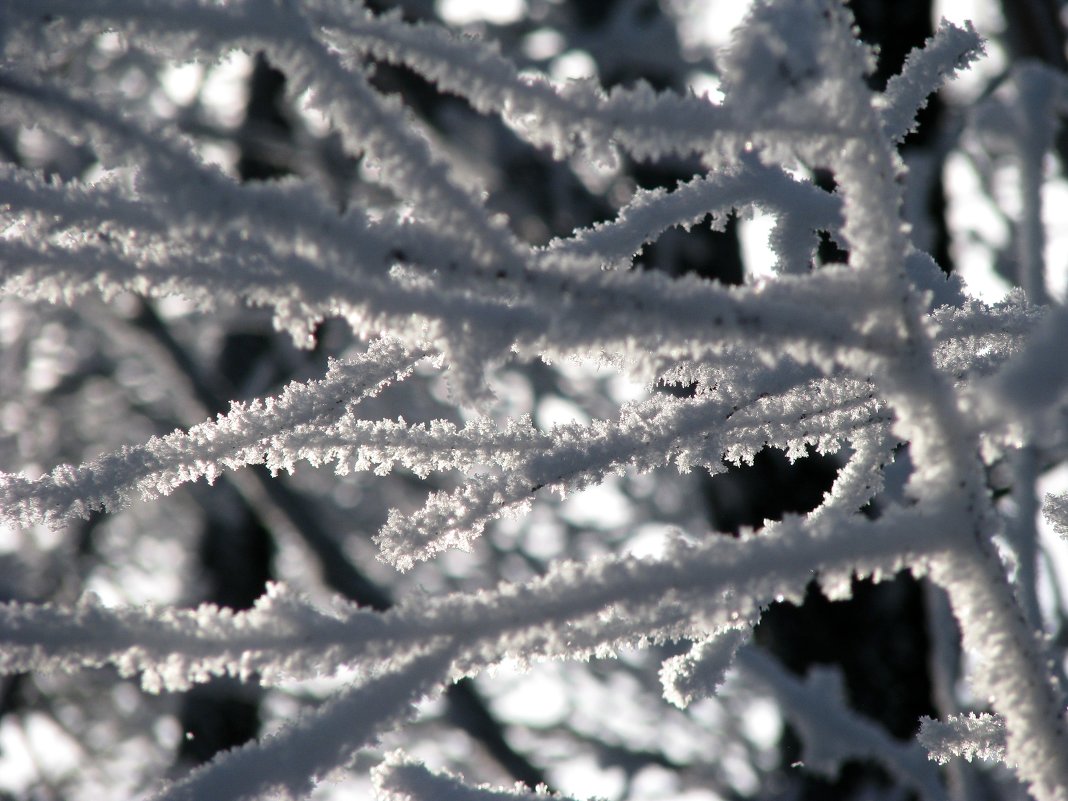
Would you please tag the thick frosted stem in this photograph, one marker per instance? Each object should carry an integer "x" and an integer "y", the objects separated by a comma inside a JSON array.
[{"x": 1012, "y": 666}]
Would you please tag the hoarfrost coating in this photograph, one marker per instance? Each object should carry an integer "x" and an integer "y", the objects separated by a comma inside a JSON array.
[{"x": 412, "y": 257}]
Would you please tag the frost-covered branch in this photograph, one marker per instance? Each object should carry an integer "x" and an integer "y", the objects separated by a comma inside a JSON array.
[
  {"x": 401, "y": 779},
  {"x": 259, "y": 432},
  {"x": 310, "y": 423},
  {"x": 859, "y": 358},
  {"x": 291, "y": 762},
  {"x": 574, "y": 611},
  {"x": 970, "y": 736}
]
